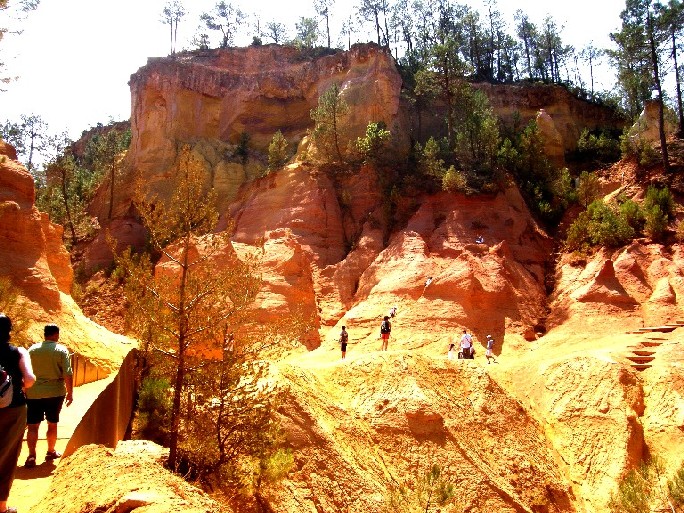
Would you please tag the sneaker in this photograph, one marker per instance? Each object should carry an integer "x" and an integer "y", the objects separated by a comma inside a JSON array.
[
  {"x": 9, "y": 510},
  {"x": 30, "y": 462},
  {"x": 52, "y": 455}
]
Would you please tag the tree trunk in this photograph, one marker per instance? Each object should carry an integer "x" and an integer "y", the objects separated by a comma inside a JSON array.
[
  {"x": 680, "y": 128},
  {"x": 112, "y": 175},
  {"x": 327, "y": 27},
  {"x": 180, "y": 369},
  {"x": 67, "y": 210},
  {"x": 656, "y": 81}
]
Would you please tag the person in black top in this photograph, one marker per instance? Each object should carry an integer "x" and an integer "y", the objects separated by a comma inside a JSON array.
[{"x": 17, "y": 363}]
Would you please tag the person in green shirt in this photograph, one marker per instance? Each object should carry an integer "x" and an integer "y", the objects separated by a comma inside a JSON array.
[{"x": 53, "y": 388}]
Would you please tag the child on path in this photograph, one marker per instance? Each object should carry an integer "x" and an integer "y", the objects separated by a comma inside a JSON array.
[
  {"x": 385, "y": 330},
  {"x": 344, "y": 337},
  {"x": 490, "y": 349}
]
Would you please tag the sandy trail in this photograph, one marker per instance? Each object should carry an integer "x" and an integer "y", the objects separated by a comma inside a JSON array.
[{"x": 31, "y": 484}]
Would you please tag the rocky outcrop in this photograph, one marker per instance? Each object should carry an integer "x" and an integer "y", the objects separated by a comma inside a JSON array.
[
  {"x": 31, "y": 253},
  {"x": 33, "y": 256},
  {"x": 518, "y": 104},
  {"x": 335, "y": 255},
  {"x": 126, "y": 479},
  {"x": 640, "y": 283},
  {"x": 362, "y": 429}
]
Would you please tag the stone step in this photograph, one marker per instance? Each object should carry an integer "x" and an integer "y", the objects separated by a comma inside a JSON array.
[
  {"x": 659, "y": 329},
  {"x": 640, "y": 359},
  {"x": 650, "y": 343},
  {"x": 641, "y": 366},
  {"x": 642, "y": 352}
]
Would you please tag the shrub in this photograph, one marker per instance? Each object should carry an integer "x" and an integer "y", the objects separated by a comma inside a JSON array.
[
  {"x": 645, "y": 489},
  {"x": 633, "y": 215},
  {"x": 277, "y": 151},
  {"x": 656, "y": 222},
  {"x": 588, "y": 188},
  {"x": 454, "y": 181},
  {"x": 599, "y": 225},
  {"x": 602, "y": 147},
  {"x": 662, "y": 198},
  {"x": 154, "y": 406},
  {"x": 371, "y": 147},
  {"x": 563, "y": 188},
  {"x": 633, "y": 494},
  {"x": 430, "y": 161},
  {"x": 242, "y": 149},
  {"x": 676, "y": 486}
]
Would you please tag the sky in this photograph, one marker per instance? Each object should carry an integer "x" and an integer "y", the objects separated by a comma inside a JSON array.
[{"x": 73, "y": 58}]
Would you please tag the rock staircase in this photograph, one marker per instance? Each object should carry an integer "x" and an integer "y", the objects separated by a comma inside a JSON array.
[{"x": 643, "y": 354}]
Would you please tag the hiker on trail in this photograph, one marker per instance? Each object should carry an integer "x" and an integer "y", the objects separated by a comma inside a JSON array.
[
  {"x": 393, "y": 312},
  {"x": 490, "y": 349},
  {"x": 466, "y": 345},
  {"x": 479, "y": 239},
  {"x": 385, "y": 330},
  {"x": 54, "y": 387},
  {"x": 344, "y": 338},
  {"x": 15, "y": 361},
  {"x": 428, "y": 281}
]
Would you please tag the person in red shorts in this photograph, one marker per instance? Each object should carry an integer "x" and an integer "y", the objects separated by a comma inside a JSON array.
[{"x": 385, "y": 330}]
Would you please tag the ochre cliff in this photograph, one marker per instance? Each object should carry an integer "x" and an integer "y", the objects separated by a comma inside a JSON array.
[{"x": 561, "y": 416}]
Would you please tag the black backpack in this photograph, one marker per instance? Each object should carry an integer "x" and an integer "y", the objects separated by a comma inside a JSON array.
[
  {"x": 6, "y": 388},
  {"x": 385, "y": 327}
]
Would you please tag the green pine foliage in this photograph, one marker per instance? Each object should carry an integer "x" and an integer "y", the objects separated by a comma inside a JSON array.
[
  {"x": 277, "y": 151},
  {"x": 372, "y": 147},
  {"x": 601, "y": 147},
  {"x": 454, "y": 181},
  {"x": 646, "y": 488},
  {"x": 154, "y": 409},
  {"x": 329, "y": 129},
  {"x": 599, "y": 225}
]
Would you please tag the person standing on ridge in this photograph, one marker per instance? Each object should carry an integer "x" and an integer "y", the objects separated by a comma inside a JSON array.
[
  {"x": 54, "y": 387},
  {"x": 15, "y": 361},
  {"x": 344, "y": 338},
  {"x": 385, "y": 330},
  {"x": 490, "y": 349}
]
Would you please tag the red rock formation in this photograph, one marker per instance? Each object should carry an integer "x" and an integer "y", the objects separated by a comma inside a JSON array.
[
  {"x": 33, "y": 256},
  {"x": 31, "y": 246}
]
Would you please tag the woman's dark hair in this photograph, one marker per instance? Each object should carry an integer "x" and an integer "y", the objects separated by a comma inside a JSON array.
[{"x": 5, "y": 327}]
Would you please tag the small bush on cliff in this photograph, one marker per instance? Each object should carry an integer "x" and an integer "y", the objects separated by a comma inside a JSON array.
[
  {"x": 425, "y": 493},
  {"x": 658, "y": 209},
  {"x": 329, "y": 129},
  {"x": 588, "y": 188},
  {"x": 599, "y": 225},
  {"x": 523, "y": 155},
  {"x": 646, "y": 488},
  {"x": 372, "y": 146},
  {"x": 454, "y": 181},
  {"x": 277, "y": 151},
  {"x": 601, "y": 147},
  {"x": 476, "y": 137}
]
